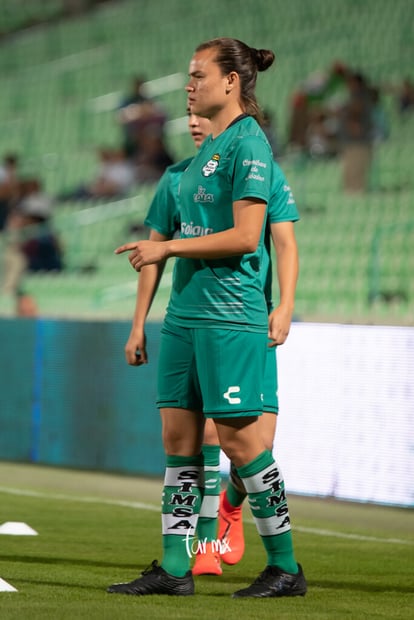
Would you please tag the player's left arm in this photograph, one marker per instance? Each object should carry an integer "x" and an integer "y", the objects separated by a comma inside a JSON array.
[{"x": 287, "y": 264}]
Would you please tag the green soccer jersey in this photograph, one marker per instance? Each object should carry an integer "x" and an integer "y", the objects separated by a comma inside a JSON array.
[
  {"x": 235, "y": 165},
  {"x": 281, "y": 208},
  {"x": 163, "y": 213}
]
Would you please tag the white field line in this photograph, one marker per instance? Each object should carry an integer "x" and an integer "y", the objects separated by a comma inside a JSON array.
[
  {"x": 154, "y": 508},
  {"x": 318, "y": 532},
  {"x": 79, "y": 498}
]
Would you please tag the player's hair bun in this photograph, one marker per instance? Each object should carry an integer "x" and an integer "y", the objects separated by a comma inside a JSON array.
[{"x": 263, "y": 58}]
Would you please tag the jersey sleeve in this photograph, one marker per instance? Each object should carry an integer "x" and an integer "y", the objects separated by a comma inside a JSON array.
[
  {"x": 252, "y": 172},
  {"x": 282, "y": 205},
  {"x": 163, "y": 212}
]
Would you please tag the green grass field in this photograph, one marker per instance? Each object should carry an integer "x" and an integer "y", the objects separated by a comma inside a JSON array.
[{"x": 95, "y": 529}]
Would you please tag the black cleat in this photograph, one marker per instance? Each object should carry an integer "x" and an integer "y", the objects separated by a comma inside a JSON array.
[
  {"x": 155, "y": 580},
  {"x": 274, "y": 582}
]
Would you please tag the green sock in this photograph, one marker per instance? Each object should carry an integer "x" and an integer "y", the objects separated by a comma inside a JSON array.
[
  {"x": 208, "y": 519},
  {"x": 181, "y": 502},
  {"x": 235, "y": 492},
  {"x": 267, "y": 498}
]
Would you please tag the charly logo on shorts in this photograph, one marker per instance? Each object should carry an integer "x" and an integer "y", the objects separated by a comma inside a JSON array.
[
  {"x": 230, "y": 395},
  {"x": 211, "y": 165}
]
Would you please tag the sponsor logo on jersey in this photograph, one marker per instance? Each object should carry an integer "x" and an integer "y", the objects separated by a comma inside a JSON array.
[
  {"x": 254, "y": 162},
  {"x": 254, "y": 165},
  {"x": 287, "y": 190},
  {"x": 202, "y": 196},
  {"x": 194, "y": 230},
  {"x": 211, "y": 166}
]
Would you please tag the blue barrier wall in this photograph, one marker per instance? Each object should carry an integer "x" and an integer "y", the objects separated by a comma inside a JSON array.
[{"x": 68, "y": 398}]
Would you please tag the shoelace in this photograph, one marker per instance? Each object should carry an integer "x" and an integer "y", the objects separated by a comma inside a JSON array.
[{"x": 151, "y": 568}]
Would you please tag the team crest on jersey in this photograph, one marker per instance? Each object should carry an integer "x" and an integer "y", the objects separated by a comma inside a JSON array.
[{"x": 211, "y": 165}]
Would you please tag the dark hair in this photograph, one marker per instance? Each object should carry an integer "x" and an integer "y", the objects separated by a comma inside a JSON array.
[
  {"x": 234, "y": 55},
  {"x": 10, "y": 159}
]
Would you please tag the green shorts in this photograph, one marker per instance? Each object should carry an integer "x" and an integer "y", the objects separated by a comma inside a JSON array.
[
  {"x": 217, "y": 371},
  {"x": 270, "y": 398}
]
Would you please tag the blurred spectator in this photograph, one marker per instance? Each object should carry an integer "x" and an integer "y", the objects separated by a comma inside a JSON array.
[
  {"x": 321, "y": 134},
  {"x": 9, "y": 186},
  {"x": 339, "y": 112},
  {"x": 13, "y": 262},
  {"x": 33, "y": 201},
  {"x": 30, "y": 242},
  {"x": 114, "y": 179},
  {"x": 25, "y": 305},
  {"x": 128, "y": 112},
  {"x": 33, "y": 215},
  {"x": 152, "y": 159},
  {"x": 356, "y": 134},
  {"x": 33, "y": 218},
  {"x": 313, "y": 125},
  {"x": 299, "y": 121},
  {"x": 405, "y": 96},
  {"x": 143, "y": 125},
  {"x": 139, "y": 115}
]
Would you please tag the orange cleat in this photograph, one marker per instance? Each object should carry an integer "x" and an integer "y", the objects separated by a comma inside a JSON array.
[
  {"x": 230, "y": 531},
  {"x": 207, "y": 562}
]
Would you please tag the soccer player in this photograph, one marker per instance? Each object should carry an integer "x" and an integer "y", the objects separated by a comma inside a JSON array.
[
  {"x": 227, "y": 541},
  {"x": 215, "y": 332}
]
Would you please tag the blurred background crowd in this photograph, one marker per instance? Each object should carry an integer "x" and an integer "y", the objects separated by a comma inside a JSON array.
[{"x": 93, "y": 111}]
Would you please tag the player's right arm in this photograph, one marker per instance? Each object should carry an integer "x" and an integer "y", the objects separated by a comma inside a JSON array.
[{"x": 148, "y": 281}]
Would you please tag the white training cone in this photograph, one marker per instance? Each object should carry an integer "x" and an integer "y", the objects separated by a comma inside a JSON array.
[
  {"x": 15, "y": 528},
  {"x": 6, "y": 587}
]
